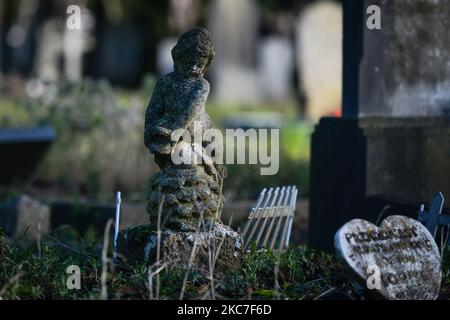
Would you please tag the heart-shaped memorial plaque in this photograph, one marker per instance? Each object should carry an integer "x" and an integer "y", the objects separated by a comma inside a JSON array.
[{"x": 399, "y": 259}]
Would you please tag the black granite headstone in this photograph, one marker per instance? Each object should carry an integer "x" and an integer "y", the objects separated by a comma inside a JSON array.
[
  {"x": 393, "y": 141},
  {"x": 21, "y": 150}
]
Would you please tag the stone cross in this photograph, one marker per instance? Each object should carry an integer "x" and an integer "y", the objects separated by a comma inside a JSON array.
[{"x": 434, "y": 217}]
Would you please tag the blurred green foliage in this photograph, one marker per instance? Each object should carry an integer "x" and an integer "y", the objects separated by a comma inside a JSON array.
[
  {"x": 99, "y": 146},
  {"x": 295, "y": 137}
]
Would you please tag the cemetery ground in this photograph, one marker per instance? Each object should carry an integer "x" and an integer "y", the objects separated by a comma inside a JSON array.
[
  {"x": 99, "y": 143},
  {"x": 98, "y": 146},
  {"x": 38, "y": 271},
  {"x": 93, "y": 154}
]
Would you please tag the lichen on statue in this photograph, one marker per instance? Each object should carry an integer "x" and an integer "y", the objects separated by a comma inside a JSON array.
[
  {"x": 188, "y": 196},
  {"x": 178, "y": 102}
]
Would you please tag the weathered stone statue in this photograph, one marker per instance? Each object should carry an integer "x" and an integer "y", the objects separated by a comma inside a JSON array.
[
  {"x": 185, "y": 199},
  {"x": 178, "y": 103}
]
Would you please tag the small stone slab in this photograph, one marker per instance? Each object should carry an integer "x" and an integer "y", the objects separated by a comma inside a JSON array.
[
  {"x": 22, "y": 213},
  {"x": 401, "y": 250}
]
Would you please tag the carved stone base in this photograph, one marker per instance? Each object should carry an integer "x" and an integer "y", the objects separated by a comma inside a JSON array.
[{"x": 139, "y": 245}]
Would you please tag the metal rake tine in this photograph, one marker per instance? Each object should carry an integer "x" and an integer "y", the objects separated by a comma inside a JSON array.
[
  {"x": 287, "y": 222},
  {"x": 280, "y": 219},
  {"x": 258, "y": 203},
  {"x": 278, "y": 208},
  {"x": 269, "y": 195},
  {"x": 277, "y": 230},
  {"x": 254, "y": 211},
  {"x": 267, "y": 215},
  {"x": 257, "y": 217},
  {"x": 291, "y": 217},
  {"x": 285, "y": 226}
]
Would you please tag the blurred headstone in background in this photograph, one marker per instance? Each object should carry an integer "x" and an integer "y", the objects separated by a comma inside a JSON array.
[
  {"x": 183, "y": 14},
  {"x": 34, "y": 214},
  {"x": 49, "y": 50},
  {"x": 2, "y": 31},
  {"x": 20, "y": 38},
  {"x": 234, "y": 27},
  {"x": 22, "y": 215},
  {"x": 21, "y": 151},
  {"x": 319, "y": 56},
  {"x": 75, "y": 44},
  {"x": 275, "y": 67},
  {"x": 120, "y": 46},
  {"x": 164, "y": 56},
  {"x": 60, "y": 50}
]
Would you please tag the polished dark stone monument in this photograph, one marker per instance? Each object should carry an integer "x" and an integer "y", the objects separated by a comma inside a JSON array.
[
  {"x": 392, "y": 145},
  {"x": 21, "y": 151}
]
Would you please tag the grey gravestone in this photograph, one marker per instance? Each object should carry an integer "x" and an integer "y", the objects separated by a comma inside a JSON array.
[
  {"x": 22, "y": 215},
  {"x": 276, "y": 62},
  {"x": 402, "y": 251},
  {"x": 318, "y": 34},
  {"x": 234, "y": 73}
]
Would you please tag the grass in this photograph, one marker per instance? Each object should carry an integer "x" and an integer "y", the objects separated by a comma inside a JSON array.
[{"x": 26, "y": 273}]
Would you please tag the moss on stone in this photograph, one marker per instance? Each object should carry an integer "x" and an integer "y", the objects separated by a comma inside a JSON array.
[{"x": 140, "y": 234}]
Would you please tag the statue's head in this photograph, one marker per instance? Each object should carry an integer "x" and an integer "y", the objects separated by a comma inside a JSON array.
[{"x": 193, "y": 53}]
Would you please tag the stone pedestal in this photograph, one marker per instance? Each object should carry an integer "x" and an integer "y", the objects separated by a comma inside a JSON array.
[{"x": 214, "y": 241}]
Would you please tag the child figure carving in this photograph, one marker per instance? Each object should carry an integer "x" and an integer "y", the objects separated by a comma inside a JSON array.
[
  {"x": 177, "y": 106},
  {"x": 186, "y": 198}
]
